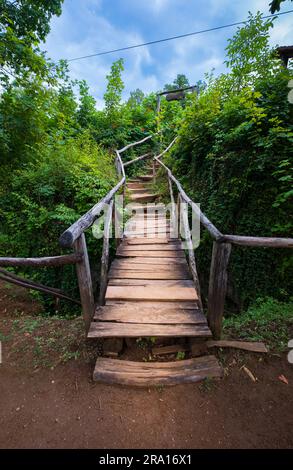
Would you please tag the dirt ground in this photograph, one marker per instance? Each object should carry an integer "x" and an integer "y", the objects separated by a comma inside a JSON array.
[{"x": 48, "y": 399}]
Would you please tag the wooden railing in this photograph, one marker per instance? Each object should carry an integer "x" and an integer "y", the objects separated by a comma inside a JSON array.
[
  {"x": 74, "y": 236},
  {"x": 222, "y": 247}
]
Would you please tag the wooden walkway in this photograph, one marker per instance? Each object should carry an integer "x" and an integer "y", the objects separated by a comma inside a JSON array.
[{"x": 150, "y": 293}]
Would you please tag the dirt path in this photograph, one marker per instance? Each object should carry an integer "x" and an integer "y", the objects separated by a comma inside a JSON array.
[{"x": 55, "y": 404}]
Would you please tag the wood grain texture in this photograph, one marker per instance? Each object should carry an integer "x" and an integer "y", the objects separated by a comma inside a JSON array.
[
  {"x": 141, "y": 293},
  {"x": 138, "y": 314},
  {"x": 218, "y": 286},
  {"x": 150, "y": 275},
  {"x": 153, "y": 374},
  {"x": 245, "y": 345},
  {"x": 137, "y": 330}
]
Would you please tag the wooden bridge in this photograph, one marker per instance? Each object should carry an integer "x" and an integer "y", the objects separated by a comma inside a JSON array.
[{"x": 152, "y": 287}]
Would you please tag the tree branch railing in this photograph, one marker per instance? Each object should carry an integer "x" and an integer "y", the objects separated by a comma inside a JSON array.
[
  {"x": 74, "y": 236},
  {"x": 221, "y": 251}
]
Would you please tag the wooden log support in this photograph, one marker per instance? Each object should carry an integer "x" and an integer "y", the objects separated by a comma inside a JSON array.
[
  {"x": 142, "y": 157},
  {"x": 41, "y": 262},
  {"x": 85, "y": 281},
  {"x": 218, "y": 287},
  {"x": 190, "y": 249},
  {"x": 105, "y": 256},
  {"x": 31, "y": 285},
  {"x": 262, "y": 242}
]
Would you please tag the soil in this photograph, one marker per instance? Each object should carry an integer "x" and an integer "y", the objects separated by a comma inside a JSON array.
[{"x": 48, "y": 398}]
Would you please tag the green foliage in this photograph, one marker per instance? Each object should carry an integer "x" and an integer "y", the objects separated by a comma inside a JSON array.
[
  {"x": 181, "y": 81},
  {"x": 233, "y": 156},
  {"x": 267, "y": 320},
  {"x": 22, "y": 25},
  {"x": 249, "y": 53}
]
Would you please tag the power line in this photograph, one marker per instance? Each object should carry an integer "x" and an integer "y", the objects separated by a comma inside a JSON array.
[{"x": 173, "y": 37}]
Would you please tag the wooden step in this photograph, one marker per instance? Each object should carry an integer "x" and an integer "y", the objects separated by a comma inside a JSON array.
[
  {"x": 149, "y": 374},
  {"x": 162, "y": 283},
  {"x": 157, "y": 261},
  {"x": 160, "y": 314},
  {"x": 150, "y": 254},
  {"x": 145, "y": 177},
  {"x": 148, "y": 274},
  {"x": 153, "y": 293},
  {"x": 153, "y": 247},
  {"x": 144, "y": 197},
  {"x": 107, "y": 329},
  {"x": 146, "y": 241}
]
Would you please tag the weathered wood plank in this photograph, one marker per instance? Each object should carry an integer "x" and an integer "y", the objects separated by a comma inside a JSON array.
[
  {"x": 146, "y": 241},
  {"x": 179, "y": 305},
  {"x": 153, "y": 260},
  {"x": 151, "y": 293},
  {"x": 152, "y": 282},
  {"x": 154, "y": 247},
  {"x": 137, "y": 330},
  {"x": 154, "y": 374},
  {"x": 245, "y": 345},
  {"x": 150, "y": 254},
  {"x": 128, "y": 274},
  {"x": 138, "y": 314},
  {"x": 218, "y": 286}
]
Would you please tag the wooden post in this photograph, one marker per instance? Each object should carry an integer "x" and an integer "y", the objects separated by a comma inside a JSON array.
[
  {"x": 84, "y": 281},
  {"x": 173, "y": 209},
  {"x": 190, "y": 250},
  {"x": 105, "y": 256},
  {"x": 154, "y": 170},
  {"x": 218, "y": 286}
]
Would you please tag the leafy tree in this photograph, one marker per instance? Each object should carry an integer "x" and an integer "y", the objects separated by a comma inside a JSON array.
[
  {"x": 115, "y": 87},
  {"x": 136, "y": 98},
  {"x": 23, "y": 24},
  {"x": 181, "y": 81},
  {"x": 249, "y": 55}
]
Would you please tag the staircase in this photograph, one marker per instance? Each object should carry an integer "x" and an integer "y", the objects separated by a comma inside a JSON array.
[{"x": 150, "y": 293}]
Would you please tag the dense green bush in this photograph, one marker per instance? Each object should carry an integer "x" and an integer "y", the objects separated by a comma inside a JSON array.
[{"x": 233, "y": 156}]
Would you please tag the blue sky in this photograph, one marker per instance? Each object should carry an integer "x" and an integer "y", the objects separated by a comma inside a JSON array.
[{"x": 89, "y": 26}]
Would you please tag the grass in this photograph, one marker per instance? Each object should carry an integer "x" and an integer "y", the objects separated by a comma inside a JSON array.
[{"x": 267, "y": 320}]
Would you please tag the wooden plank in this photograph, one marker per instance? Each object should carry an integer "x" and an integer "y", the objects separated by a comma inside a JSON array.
[
  {"x": 146, "y": 267},
  {"x": 179, "y": 305},
  {"x": 152, "y": 282},
  {"x": 151, "y": 293},
  {"x": 218, "y": 286},
  {"x": 150, "y": 254},
  {"x": 126, "y": 274},
  {"x": 146, "y": 241},
  {"x": 139, "y": 374},
  {"x": 153, "y": 260},
  {"x": 154, "y": 247},
  {"x": 137, "y": 330},
  {"x": 161, "y": 315},
  {"x": 245, "y": 345}
]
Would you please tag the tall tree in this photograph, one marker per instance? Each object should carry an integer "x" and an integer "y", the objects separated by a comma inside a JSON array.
[
  {"x": 181, "y": 81},
  {"x": 23, "y": 24},
  {"x": 115, "y": 86}
]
